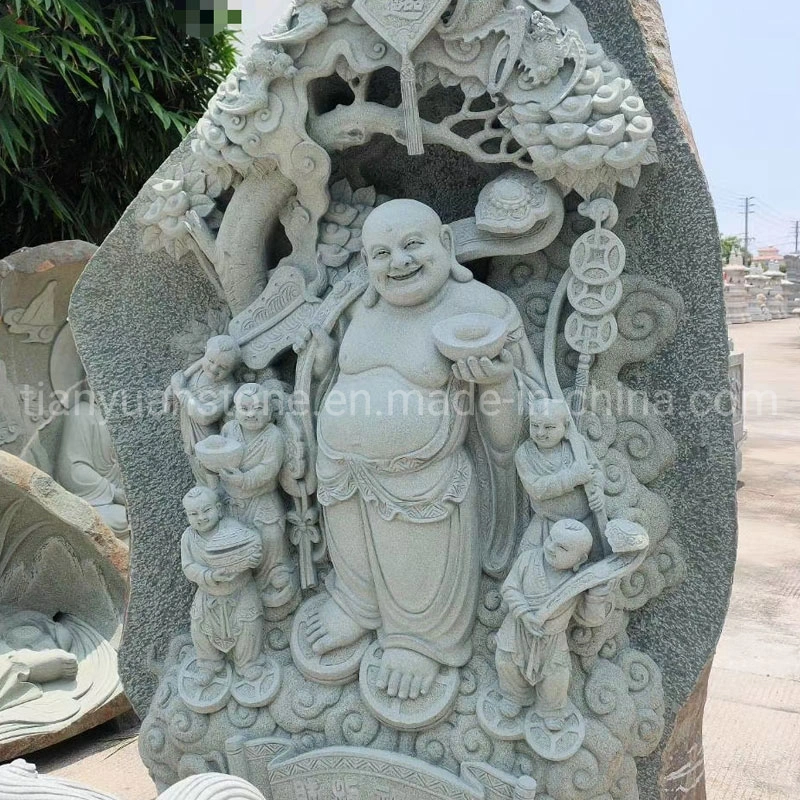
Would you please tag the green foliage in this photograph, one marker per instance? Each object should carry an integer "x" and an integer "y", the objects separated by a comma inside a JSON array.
[
  {"x": 727, "y": 245},
  {"x": 94, "y": 94}
]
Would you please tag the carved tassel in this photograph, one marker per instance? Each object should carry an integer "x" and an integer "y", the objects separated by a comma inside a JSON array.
[{"x": 408, "y": 89}]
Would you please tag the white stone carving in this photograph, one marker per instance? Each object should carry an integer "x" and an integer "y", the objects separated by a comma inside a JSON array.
[
  {"x": 21, "y": 779},
  {"x": 221, "y": 555},
  {"x": 87, "y": 465},
  {"x": 736, "y": 299},
  {"x": 37, "y": 321},
  {"x": 61, "y": 604},
  {"x": 442, "y": 634}
]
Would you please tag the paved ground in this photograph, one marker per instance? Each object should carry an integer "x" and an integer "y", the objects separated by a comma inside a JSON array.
[{"x": 752, "y": 721}]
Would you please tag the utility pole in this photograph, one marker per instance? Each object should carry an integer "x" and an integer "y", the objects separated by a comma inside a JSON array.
[
  {"x": 796, "y": 236},
  {"x": 748, "y": 209}
]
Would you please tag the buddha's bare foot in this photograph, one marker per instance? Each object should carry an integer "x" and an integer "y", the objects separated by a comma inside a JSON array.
[
  {"x": 48, "y": 665},
  {"x": 406, "y": 674},
  {"x": 509, "y": 708},
  {"x": 331, "y": 628}
]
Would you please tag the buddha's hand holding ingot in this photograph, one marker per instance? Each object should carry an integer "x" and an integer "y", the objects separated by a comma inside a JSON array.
[
  {"x": 475, "y": 343},
  {"x": 485, "y": 371}
]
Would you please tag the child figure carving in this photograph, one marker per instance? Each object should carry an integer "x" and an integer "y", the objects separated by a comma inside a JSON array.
[
  {"x": 219, "y": 554},
  {"x": 254, "y": 496}
]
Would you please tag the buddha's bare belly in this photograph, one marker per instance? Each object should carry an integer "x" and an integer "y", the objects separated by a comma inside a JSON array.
[{"x": 380, "y": 414}]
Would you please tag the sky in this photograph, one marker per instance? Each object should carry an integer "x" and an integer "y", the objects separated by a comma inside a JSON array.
[{"x": 739, "y": 76}]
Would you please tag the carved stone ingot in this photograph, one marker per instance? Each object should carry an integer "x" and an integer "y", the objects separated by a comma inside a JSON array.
[
  {"x": 217, "y": 453},
  {"x": 335, "y": 668},
  {"x": 407, "y": 714},
  {"x": 590, "y": 336},
  {"x": 470, "y": 335}
]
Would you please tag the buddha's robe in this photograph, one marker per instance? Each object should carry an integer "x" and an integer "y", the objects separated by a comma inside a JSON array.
[{"x": 403, "y": 538}]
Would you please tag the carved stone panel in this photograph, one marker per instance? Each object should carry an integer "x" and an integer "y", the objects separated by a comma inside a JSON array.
[
  {"x": 48, "y": 415},
  {"x": 62, "y": 595},
  {"x": 435, "y": 420}
]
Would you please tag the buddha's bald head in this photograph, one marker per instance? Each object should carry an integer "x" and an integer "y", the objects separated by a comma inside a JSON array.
[
  {"x": 409, "y": 253},
  {"x": 389, "y": 216}
]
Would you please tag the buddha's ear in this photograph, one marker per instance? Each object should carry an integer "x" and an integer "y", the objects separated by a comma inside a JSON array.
[
  {"x": 458, "y": 272},
  {"x": 370, "y": 297},
  {"x": 446, "y": 238}
]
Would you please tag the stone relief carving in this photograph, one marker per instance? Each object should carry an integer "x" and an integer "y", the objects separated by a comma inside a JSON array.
[
  {"x": 87, "y": 465},
  {"x": 357, "y": 430},
  {"x": 48, "y": 415},
  {"x": 37, "y": 321},
  {"x": 61, "y": 601},
  {"x": 20, "y": 779},
  {"x": 221, "y": 554}
]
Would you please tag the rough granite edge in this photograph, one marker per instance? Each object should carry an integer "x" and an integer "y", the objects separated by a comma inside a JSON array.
[
  {"x": 74, "y": 512},
  {"x": 45, "y": 257}
]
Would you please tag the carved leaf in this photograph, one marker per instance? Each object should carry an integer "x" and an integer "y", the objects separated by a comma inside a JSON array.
[{"x": 195, "y": 183}]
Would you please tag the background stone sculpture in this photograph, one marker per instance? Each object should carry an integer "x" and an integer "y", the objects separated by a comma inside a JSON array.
[
  {"x": 62, "y": 596},
  {"x": 289, "y": 125},
  {"x": 20, "y": 779},
  {"x": 57, "y": 422}
]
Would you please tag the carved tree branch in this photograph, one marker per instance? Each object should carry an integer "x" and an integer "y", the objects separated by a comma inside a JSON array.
[
  {"x": 241, "y": 245},
  {"x": 348, "y": 126}
]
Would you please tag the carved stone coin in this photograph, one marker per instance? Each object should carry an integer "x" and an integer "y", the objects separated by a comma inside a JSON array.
[
  {"x": 555, "y": 745},
  {"x": 335, "y": 668},
  {"x": 590, "y": 335},
  {"x": 494, "y": 722},
  {"x": 598, "y": 257},
  {"x": 204, "y": 699},
  {"x": 260, "y": 691},
  {"x": 407, "y": 715},
  {"x": 594, "y": 300}
]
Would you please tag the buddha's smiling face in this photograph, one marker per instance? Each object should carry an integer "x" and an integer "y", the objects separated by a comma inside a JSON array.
[{"x": 407, "y": 251}]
